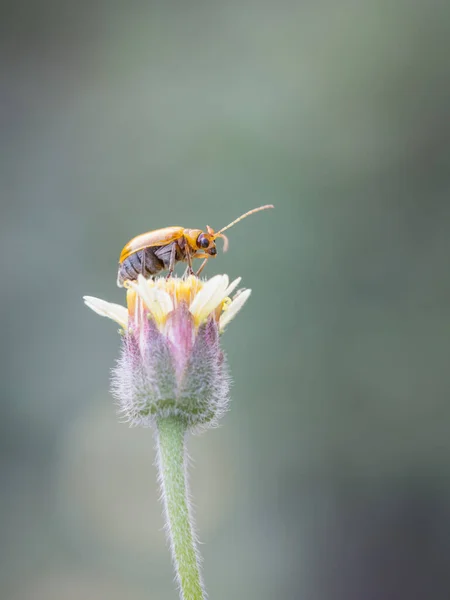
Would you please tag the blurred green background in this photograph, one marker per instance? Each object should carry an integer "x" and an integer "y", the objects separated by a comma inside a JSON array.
[{"x": 329, "y": 478}]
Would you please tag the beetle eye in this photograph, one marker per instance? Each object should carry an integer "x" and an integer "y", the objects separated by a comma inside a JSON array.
[{"x": 202, "y": 241}]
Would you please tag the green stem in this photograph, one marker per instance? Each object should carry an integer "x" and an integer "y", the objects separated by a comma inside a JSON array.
[{"x": 172, "y": 472}]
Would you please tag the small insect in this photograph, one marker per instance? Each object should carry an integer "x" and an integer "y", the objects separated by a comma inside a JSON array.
[{"x": 158, "y": 250}]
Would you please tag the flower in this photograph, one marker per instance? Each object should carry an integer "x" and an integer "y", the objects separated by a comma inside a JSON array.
[{"x": 171, "y": 362}]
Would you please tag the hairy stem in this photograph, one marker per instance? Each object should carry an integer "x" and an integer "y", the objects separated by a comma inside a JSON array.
[{"x": 172, "y": 473}]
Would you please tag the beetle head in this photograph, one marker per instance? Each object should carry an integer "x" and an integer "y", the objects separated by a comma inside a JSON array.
[{"x": 206, "y": 241}]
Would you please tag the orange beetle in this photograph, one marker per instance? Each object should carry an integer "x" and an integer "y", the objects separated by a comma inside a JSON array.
[{"x": 155, "y": 251}]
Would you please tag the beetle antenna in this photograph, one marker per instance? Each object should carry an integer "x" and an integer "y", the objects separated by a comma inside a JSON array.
[{"x": 247, "y": 214}]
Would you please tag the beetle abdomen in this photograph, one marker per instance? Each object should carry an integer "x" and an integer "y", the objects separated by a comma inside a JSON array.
[{"x": 145, "y": 262}]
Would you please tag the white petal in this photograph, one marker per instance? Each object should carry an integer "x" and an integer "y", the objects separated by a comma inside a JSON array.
[
  {"x": 233, "y": 308},
  {"x": 233, "y": 285},
  {"x": 116, "y": 312},
  {"x": 164, "y": 300},
  {"x": 209, "y": 297},
  {"x": 158, "y": 302}
]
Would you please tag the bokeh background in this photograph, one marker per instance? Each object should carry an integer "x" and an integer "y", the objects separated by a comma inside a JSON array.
[{"x": 329, "y": 478}]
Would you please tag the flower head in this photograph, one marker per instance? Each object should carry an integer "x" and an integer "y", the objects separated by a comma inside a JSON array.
[{"x": 171, "y": 361}]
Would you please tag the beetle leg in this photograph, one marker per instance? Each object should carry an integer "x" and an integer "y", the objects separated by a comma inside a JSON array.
[
  {"x": 202, "y": 266},
  {"x": 189, "y": 259},
  {"x": 172, "y": 260}
]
